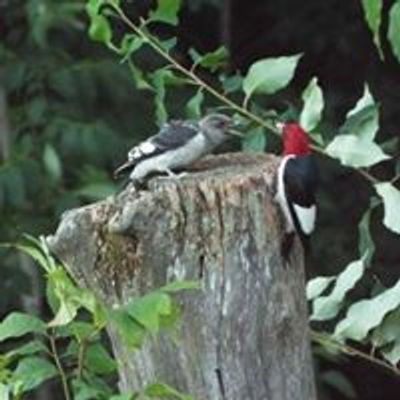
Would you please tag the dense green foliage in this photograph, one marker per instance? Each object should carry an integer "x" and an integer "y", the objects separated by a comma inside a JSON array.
[{"x": 59, "y": 104}]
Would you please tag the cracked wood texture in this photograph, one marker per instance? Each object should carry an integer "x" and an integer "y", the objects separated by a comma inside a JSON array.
[{"x": 245, "y": 335}]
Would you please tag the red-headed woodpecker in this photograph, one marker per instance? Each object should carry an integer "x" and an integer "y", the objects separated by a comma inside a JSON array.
[
  {"x": 297, "y": 181},
  {"x": 176, "y": 145}
]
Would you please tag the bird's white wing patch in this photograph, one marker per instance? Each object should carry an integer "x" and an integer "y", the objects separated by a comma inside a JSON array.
[
  {"x": 306, "y": 217},
  {"x": 147, "y": 147}
]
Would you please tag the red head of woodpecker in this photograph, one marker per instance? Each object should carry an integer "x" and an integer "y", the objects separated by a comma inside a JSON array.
[{"x": 296, "y": 185}]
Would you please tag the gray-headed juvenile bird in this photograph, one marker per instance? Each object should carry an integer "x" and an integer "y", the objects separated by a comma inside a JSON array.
[{"x": 178, "y": 144}]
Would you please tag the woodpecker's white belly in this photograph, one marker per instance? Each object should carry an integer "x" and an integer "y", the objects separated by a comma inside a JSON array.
[
  {"x": 306, "y": 216},
  {"x": 171, "y": 159}
]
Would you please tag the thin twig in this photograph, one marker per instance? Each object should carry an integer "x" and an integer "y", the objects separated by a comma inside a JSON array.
[
  {"x": 190, "y": 73},
  {"x": 56, "y": 358},
  {"x": 326, "y": 340}
]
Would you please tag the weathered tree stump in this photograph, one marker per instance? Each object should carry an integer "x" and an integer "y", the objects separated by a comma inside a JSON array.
[{"x": 245, "y": 335}]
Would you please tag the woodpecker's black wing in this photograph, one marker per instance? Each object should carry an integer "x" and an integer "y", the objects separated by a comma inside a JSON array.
[
  {"x": 172, "y": 135},
  {"x": 300, "y": 182}
]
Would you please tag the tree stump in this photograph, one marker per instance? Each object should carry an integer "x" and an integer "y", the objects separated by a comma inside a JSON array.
[{"x": 245, "y": 335}]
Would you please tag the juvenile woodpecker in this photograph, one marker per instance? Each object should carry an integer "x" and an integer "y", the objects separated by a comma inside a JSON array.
[
  {"x": 176, "y": 145},
  {"x": 297, "y": 182}
]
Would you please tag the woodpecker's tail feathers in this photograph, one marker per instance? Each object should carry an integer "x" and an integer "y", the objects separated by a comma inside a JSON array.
[{"x": 124, "y": 168}]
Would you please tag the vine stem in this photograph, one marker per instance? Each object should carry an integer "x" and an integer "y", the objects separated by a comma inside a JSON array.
[
  {"x": 327, "y": 341},
  {"x": 193, "y": 76},
  {"x": 56, "y": 358},
  {"x": 190, "y": 73}
]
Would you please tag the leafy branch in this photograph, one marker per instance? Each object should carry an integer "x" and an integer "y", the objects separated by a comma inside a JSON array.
[{"x": 327, "y": 341}]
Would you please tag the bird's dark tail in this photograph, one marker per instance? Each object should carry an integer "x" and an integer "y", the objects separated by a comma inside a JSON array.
[{"x": 123, "y": 169}]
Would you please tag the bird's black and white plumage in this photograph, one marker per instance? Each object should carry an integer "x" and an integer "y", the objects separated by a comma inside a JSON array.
[
  {"x": 297, "y": 182},
  {"x": 178, "y": 144}
]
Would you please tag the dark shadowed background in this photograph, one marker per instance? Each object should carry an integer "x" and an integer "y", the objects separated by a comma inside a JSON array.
[{"x": 69, "y": 111}]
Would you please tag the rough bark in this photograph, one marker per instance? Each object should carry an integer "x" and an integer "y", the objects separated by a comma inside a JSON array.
[{"x": 245, "y": 335}]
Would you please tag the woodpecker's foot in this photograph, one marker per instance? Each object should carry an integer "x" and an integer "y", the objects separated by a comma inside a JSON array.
[{"x": 173, "y": 175}]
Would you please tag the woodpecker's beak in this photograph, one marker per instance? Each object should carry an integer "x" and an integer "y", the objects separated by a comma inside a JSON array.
[{"x": 128, "y": 165}]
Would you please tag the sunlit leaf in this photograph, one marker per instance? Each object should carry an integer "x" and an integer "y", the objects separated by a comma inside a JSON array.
[
  {"x": 316, "y": 286},
  {"x": 354, "y": 151},
  {"x": 391, "y": 202},
  {"x": 327, "y": 307},
  {"x": 313, "y": 105},
  {"x": 365, "y": 315},
  {"x": 363, "y": 119},
  {"x": 394, "y": 29},
  {"x": 166, "y": 11},
  {"x": 269, "y": 75},
  {"x": 372, "y": 13}
]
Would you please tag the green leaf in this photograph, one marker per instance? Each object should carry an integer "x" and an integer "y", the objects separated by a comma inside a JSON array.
[
  {"x": 269, "y": 75},
  {"x": 327, "y": 307},
  {"x": 363, "y": 119},
  {"x": 130, "y": 44},
  {"x": 340, "y": 382},
  {"x": 354, "y": 151},
  {"x": 391, "y": 202},
  {"x": 5, "y": 392},
  {"x": 18, "y": 324},
  {"x": 167, "y": 11},
  {"x": 366, "y": 246},
  {"x": 32, "y": 347},
  {"x": 130, "y": 331},
  {"x": 365, "y": 315},
  {"x": 392, "y": 354},
  {"x": 132, "y": 396},
  {"x": 313, "y": 105},
  {"x": 394, "y": 29},
  {"x": 372, "y": 14},
  {"x": 254, "y": 141},
  {"x": 161, "y": 390},
  {"x": 100, "y": 30},
  {"x": 193, "y": 107},
  {"x": 178, "y": 286},
  {"x": 212, "y": 60},
  {"x": 388, "y": 331},
  {"x": 148, "y": 309},
  {"x": 52, "y": 163},
  {"x": 316, "y": 286},
  {"x": 98, "y": 360},
  {"x": 138, "y": 77},
  {"x": 33, "y": 371}
]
